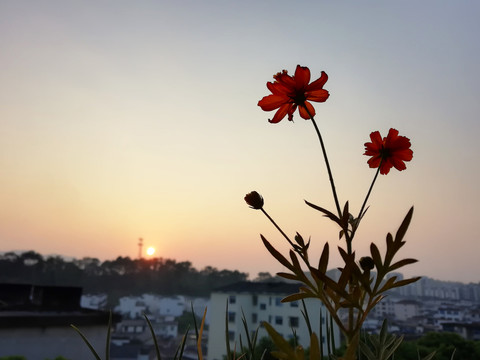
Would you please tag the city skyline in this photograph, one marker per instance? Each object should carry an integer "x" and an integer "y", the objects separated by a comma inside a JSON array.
[{"x": 125, "y": 120}]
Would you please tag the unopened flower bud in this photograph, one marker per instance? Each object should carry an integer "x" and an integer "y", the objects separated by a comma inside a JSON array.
[
  {"x": 366, "y": 263},
  {"x": 254, "y": 200}
]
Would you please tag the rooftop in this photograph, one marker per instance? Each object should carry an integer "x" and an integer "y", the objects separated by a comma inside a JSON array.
[
  {"x": 278, "y": 288},
  {"x": 27, "y": 305}
]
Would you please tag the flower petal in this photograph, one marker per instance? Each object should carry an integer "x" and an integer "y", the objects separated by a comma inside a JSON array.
[
  {"x": 317, "y": 95},
  {"x": 280, "y": 114},
  {"x": 374, "y": 162},
  {"x": 277, "y": 89},
  {"x": 285, "y": 79},
  {"x": 376, "y": 138},
  {"x": 302, "y": 77},
  {"x": 303, "y": 110},
  {"x": 398, "y": 163},
  {"x": 385, "y": 167},
  {"x": 272, "y": 102},
  {"x": 318, "y": 84}
]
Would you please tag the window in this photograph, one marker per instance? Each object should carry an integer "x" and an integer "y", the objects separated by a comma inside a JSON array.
[
  {"x": 139, "y": 329},
  {"x": 254, "y": 300},
  {"x": 231, "y": 335},
  {"x": 294, "y": 304},
  {"x": 278, "y": 320},
  {"x": 278, "y": 301},
  {"x": 254, "y": 318},
  {"x": 231, "y": 317},
  {"x": 232, "y": 299},
  {"x": 293, "y": 320},
  {"x": 263, "y": 306}
]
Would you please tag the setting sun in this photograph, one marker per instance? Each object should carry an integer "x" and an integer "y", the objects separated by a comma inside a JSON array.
[{"x": 150, "y": 251}]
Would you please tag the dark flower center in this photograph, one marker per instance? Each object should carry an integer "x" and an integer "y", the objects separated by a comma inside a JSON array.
[
  {"x": 299, "y": 98},
  {"x": 385, "y": 153}
]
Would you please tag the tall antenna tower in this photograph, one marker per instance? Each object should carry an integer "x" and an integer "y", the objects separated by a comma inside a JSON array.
[{"x": 140, "y": 244}]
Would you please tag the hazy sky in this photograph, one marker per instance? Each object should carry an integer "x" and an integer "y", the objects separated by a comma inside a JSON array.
[{"x": 128, "y": 119}]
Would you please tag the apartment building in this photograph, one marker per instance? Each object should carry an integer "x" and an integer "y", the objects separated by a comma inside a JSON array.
[{"x": 261, "y": 302}]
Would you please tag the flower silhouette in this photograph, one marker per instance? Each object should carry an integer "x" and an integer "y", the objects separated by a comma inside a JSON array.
[
  {"x": 288, "y": 92},
  {"x": 391, "y": 151},
  {"x": 255, "y": 200}
]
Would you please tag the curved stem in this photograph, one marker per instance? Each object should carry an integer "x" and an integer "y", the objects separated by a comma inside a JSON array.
[{"x": 325, "y": 157}]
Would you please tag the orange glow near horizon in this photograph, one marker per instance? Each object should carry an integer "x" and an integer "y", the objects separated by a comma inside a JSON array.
[{"x": 151, "y": 251}]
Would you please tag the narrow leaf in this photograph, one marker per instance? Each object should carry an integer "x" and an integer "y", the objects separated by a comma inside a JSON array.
[
  {"x": 154, "y": 337},
  {"x": 281, "y": 259},
  {"x": 323, "y": 262},
  {"x": 403, "y": 228},
  {"x": 377, "y": 258},
  {"x": 365, "y": 350},
  {"x": 199, "y": 341},
  {"x": 181, "y": 347},
  {"x": 288, "y": 276},
  {"x": 401, "y": 263},
  {"x": 297, "y": 296},
  {"x": 329, "y": 283},
  {"x": 86, "y": 342},
  {"x": 393, "y": 347},
  {"x": 279, "y": 341},
  {"x": 227, "y": 337},
  {"x": 247, "y": 333},
  {"x": 315, "y": 348},
  {"x": 345, "y": 217},
  {"x": 388, "y": 284},
  {"x": 107, "y": 345},
  {"x": 295, "y": 263},
  {"x": 327, "y": 213},
  {"x": 406, "y": 282}
]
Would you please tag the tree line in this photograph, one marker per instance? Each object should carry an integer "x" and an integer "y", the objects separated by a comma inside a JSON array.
[{"x": 120, "y": 277}]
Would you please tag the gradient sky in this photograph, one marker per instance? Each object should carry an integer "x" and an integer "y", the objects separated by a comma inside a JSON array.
[{"x": 128, "y": 119}]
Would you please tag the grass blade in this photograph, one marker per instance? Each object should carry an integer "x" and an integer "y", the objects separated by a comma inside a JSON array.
[
  {"x": 87, "y": 342},
  {"x": 154, "y": 337}
]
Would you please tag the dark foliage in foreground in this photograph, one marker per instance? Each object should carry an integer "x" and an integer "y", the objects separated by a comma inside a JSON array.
[{"x": 443, "y": 344}]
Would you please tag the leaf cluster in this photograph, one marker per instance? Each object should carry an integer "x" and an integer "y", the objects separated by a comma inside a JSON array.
[
  {"x": 360, "y": 285},
  {"x": 384, "y": 345}
]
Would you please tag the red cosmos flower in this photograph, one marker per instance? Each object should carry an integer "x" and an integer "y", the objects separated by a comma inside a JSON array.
[
  {"x": 391, "y": 151},
  {"x": 288, "y": 92}
]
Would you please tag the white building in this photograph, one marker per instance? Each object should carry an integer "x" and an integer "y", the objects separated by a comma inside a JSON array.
[
  {"x": 448, "y": 314},
  {"x": 164, "y": 327},
  {"x": 261, "y": 302},
  {"x": 406, "y": 309},
  {"x": 133, "y": 307},
  {"x": 384, "y": 309},
  {"x": 94, "y": 301}
]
